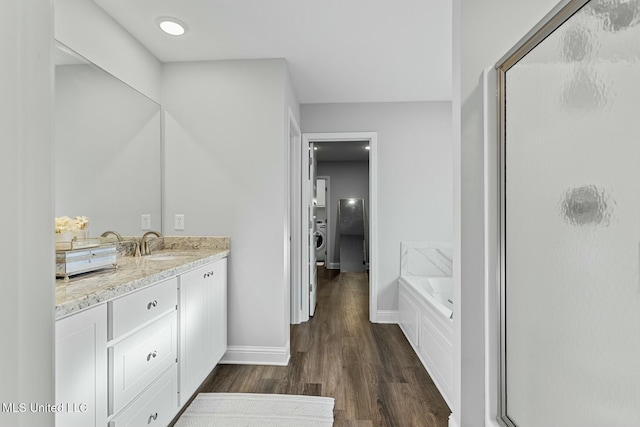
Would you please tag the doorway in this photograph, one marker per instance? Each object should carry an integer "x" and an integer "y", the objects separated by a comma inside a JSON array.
[{"x": 301, "y": 305}]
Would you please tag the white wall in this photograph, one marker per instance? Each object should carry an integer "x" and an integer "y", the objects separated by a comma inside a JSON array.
[
  {"x": 348, "y": 180},
  {"x": 86, "y": 28},
  {"x": 483, "y": 33},
  {"x": 26, "y": 177},
  {"x": 414, "y": 174},
  {"x": 225, "y": 170},
  {"x": 290, "y": 101}
]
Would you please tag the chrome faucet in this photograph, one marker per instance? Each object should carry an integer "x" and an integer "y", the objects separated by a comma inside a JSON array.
[
  {"x": 144, "y": 244},
  {"x": 115, "y": 233}
]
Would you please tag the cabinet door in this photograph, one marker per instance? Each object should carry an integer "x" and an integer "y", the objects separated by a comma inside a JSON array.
[
  {"x": 193, "y": 330},
  {"x": 219, "y": 311},
  {"x": 81, "y": 368},
  {"x": 203, "y": 324}
]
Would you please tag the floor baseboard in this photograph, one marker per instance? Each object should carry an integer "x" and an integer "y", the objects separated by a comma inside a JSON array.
[
  {"x": 248, "y": 355},
  {"x": 388, "y": 316}
]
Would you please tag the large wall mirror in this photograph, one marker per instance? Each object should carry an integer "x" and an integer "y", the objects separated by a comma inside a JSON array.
[
  {"x": 107, "y": 148},
  {"x": 570, "y": 212},
  {"x": 352, "y": 234}
]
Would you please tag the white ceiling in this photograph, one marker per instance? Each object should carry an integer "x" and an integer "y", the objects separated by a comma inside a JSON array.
[{"x": 336, "y": 50}]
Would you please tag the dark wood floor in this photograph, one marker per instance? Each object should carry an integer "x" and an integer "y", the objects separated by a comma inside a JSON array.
[{"x": 370, "y": 369}]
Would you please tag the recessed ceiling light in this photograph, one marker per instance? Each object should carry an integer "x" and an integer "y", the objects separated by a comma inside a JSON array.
[
  {"x": 367, "y": 148},
  {"x": 172, "y": 26}
]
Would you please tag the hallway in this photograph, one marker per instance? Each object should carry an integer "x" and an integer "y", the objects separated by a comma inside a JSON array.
[{"x": 370, "y": 369}]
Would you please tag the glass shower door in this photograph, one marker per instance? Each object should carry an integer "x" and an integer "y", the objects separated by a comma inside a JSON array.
[{"x": 570, "y": 214}]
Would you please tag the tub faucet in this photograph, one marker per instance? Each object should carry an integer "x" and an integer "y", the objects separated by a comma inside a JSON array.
[
  {"x": 115, "y": 233},
  {"x": 144, "y": 244}
]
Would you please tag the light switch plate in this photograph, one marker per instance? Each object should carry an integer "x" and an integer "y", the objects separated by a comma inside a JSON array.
[
  {"x": 145, "y": 221},
  {"x": 179, "y": 222}
]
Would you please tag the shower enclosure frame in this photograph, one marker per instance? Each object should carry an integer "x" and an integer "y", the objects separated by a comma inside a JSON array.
[{"x": 550, "y": 23}]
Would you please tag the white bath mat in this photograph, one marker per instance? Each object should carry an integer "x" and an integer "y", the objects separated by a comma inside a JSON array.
[{"x": 257, "y": 410}]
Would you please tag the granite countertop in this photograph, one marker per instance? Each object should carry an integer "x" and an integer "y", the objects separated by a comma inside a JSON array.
[{"x": 86, "y": 290}]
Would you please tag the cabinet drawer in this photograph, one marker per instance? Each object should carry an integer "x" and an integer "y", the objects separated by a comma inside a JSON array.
[
  {"x": 156, "y": 406},
  {"x": 139, "y": 359},
  {"x": 139, "y": 307}
]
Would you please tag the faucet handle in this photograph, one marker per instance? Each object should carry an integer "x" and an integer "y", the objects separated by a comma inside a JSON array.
[
  {"x": 144, "y": 244},
  {"x": 115, "y": 233}
]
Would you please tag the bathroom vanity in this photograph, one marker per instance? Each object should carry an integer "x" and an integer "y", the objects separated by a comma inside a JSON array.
[{"x": 133, "y": 345}]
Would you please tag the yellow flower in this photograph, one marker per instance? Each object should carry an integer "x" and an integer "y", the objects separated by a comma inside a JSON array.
[
  {"x": 62, "y": 224},
  {"x": 82, "y": 222},
  {"x": 65, "y": 224}
]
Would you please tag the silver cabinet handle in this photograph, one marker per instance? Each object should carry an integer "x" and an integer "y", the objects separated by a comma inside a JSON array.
[
  {"x": 152, "y": 355},
  {"x": 152, "y": 304},
  {"x": 152, "y": 417}
]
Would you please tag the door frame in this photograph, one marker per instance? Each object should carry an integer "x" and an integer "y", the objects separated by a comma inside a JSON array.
[
  {"x": 310, "y": 206},
  {"x": 495, "y": 107},
  {"x": 327, "y": 208},
  {"x": 293, "y": 269},
  {"x": 372, "y": 139}
]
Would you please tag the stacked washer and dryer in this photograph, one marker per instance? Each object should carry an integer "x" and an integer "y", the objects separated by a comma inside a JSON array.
[
  {"x": 321, "y": 221},
  {"x": 321, "y": 240}
]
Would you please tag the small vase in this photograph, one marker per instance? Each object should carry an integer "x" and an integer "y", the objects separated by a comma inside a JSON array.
[
  {"x": 82, "y": 235},
  {"x": 63, "y": 240}
]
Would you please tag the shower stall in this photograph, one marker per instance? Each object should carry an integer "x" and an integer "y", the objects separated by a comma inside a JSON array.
[{"x": 568, "y": 191}]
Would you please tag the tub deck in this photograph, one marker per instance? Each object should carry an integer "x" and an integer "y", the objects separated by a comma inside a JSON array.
[
  {"x": 437, "y": 290},
  {"x": 426, "y": 311}
]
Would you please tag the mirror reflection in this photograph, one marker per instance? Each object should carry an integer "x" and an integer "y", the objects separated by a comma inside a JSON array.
[
  {"x": 352, "y": 235},
  {"x": 107, "y": 148}
]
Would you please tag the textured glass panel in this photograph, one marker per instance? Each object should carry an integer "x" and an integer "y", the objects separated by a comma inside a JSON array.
[{"x": 572, "y": 218}]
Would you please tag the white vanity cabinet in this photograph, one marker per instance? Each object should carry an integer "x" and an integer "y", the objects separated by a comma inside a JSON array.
[
  {"x": 203, "y": 324},
  {"x": 136, "y": 359},
  {"x": 81, "y": 368},
  {"x": 143, "y": 356}
]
